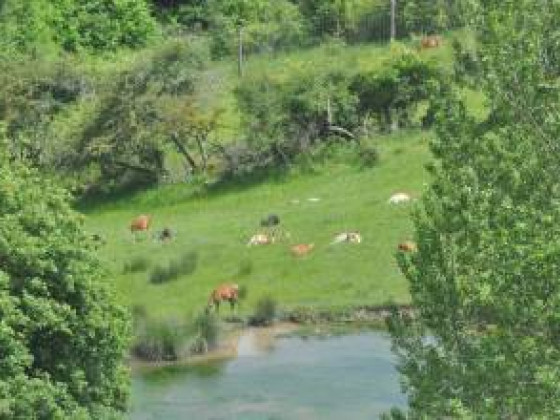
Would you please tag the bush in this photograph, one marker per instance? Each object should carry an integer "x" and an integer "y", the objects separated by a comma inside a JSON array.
[
  {"x": 265, "y": 312},
  {"x": 269, "y": 25},
  {"x": 368, "y": 155},
  {"x": 286, "y": 118},
  {"x": 391, "y": 93},
  {"x": 102, "y": 24},
  {"x": 158, "y": 340},
  {"x": 31, "y": 26},
  {"x": 183, "y": 266},
  {"x": 206, "y": 326},
  {"x": 136, "y": 264},
  {"x": 245, "y": 268}
]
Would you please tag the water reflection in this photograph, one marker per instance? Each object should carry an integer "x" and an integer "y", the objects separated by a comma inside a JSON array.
[{"x": 349, "y": 377}]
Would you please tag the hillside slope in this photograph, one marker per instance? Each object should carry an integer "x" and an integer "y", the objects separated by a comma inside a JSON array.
[{"x": 216, "y": 228}]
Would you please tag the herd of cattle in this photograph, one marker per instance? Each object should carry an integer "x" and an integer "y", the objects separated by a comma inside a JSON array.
[{"x": 270, "y": 233}]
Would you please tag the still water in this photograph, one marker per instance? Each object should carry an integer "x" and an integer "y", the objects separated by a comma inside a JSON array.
[{"x": 345, "y": 377}]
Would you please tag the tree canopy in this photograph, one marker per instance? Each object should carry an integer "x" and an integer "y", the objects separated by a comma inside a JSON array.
[
  {"x": 485, "y": 280},
  {"x": 62, "y": 336}
]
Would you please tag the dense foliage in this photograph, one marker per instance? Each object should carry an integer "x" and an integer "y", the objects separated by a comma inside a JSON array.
[
  {"x": 29, "y": 26},
  {"x": 63, "y": 336},
  {"x": 285, "y": 117},
  {"x": 485, "y": 280}
]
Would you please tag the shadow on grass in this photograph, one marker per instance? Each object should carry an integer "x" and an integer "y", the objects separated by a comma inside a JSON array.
[{"x": 154, "y": 196}]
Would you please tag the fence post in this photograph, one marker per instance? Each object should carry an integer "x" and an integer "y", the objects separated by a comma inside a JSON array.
[
  {"x": 393, "y": 19},
  {"x": 240, "y": 50}
]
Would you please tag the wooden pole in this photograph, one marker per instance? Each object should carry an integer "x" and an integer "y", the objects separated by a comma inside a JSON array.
[
  {"x": 393, "y": 19},
  {"x": 240, "y": 51}
]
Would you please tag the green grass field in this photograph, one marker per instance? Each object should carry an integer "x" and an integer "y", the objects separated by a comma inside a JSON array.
[{"x": 217, "y": 226}]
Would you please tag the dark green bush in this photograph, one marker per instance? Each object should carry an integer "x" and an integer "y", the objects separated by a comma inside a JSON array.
[
  {"x": 136, "y": 264},
  {"x": 265, "y": 312},
  {"x": 368, "y": 155},
  {"x": 245, "y": 268},
  {"x": 158, "y": 340},
  {"x": 206, "y": 326},
  {"x": 286, "y": 118},
  {"x": 392, "y": 93},
  {"x": 183, "y": 266},
  {"x": 102, "y": 24}
]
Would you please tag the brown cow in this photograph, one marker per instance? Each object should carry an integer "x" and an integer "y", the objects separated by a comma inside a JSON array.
[
  {"x": 302, "y": 249},
  {"x": 430, "y": 41},
  {"x": 408, "y": 246},
  {"x": 226, "y": 291},
  {"x": 140, "y": 223}
]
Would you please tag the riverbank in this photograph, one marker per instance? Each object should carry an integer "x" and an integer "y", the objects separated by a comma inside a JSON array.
[
  {"x": 228, "y": 346},
  {"x": 238, "y": 337}
]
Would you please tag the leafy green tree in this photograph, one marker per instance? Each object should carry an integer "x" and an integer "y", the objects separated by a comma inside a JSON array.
[
  {"x": 426, "y": 16},
  {"x": 30, "y": 26},
  {"x": 62, "y": 334},
  {"x": 485, "y": 341},
  {"x": 24, "y": 27},
  {"x": 149, "y": 112}
]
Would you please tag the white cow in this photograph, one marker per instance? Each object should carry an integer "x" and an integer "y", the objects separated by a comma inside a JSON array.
[
  {"x": 260, "y": 239},
  {"x": 398, "y": 198},
  {"x": 351, "y": 237}
]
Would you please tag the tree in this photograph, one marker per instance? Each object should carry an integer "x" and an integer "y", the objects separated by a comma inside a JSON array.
[
  {"x": 485, "y": 282},
  {"x": 62, "y": 335},
  {"x": 426, "y": 16}
]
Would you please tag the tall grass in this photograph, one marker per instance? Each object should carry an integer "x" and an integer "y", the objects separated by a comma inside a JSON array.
[
  {"x": 183, "y": 266},
  {"x": 265, "y": 311}
]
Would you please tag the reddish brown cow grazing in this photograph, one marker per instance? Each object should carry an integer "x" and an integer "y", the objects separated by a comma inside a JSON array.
[
  {"x": 141, "y": 223},
  {"x": 302, "y": 249},
  {"x": 229, "y": 292},
  {"x": 430, "y": 41},
  {"x": 408, "y": 246}
]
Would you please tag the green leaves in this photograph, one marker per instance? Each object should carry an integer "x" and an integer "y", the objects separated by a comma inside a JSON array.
[
  {"x": 62, "y": 336},
  {"x": 486, "y": 279}
]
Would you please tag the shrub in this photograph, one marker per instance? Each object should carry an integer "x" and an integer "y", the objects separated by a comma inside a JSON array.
[
  {"x": 265, "y": 312},
  {"x": 158, "y": 340},
  {"x": 136, "y": 264},
  {"x": 183, "y": 266},
  {"x": 245, "y": 268},
  {"x": 268, "y": 25},
  {"x": 391, "y": 93},
  {"x": 243, "y": 291},
  {"x": 368, "y": 155},
  {"x": 102, "y": 24},
  {"x": 206, "y": 326}
]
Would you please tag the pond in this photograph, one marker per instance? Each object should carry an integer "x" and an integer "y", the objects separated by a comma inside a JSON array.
[{"x": 341, "y": 377}]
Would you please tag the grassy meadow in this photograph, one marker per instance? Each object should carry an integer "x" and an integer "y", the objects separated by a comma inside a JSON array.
[
  {"x": 214, "y": 223},
  {"x": 215, "y": 226}
]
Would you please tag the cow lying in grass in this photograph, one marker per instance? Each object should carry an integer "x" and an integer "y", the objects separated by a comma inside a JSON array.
[
  {"x": 407, "y": 246},
  {"x": 350, "y": 237},
  {"x": 260, "y": 239},
  {"x": 301, "y": 250},
  {"x": 399, "y": 197}
]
